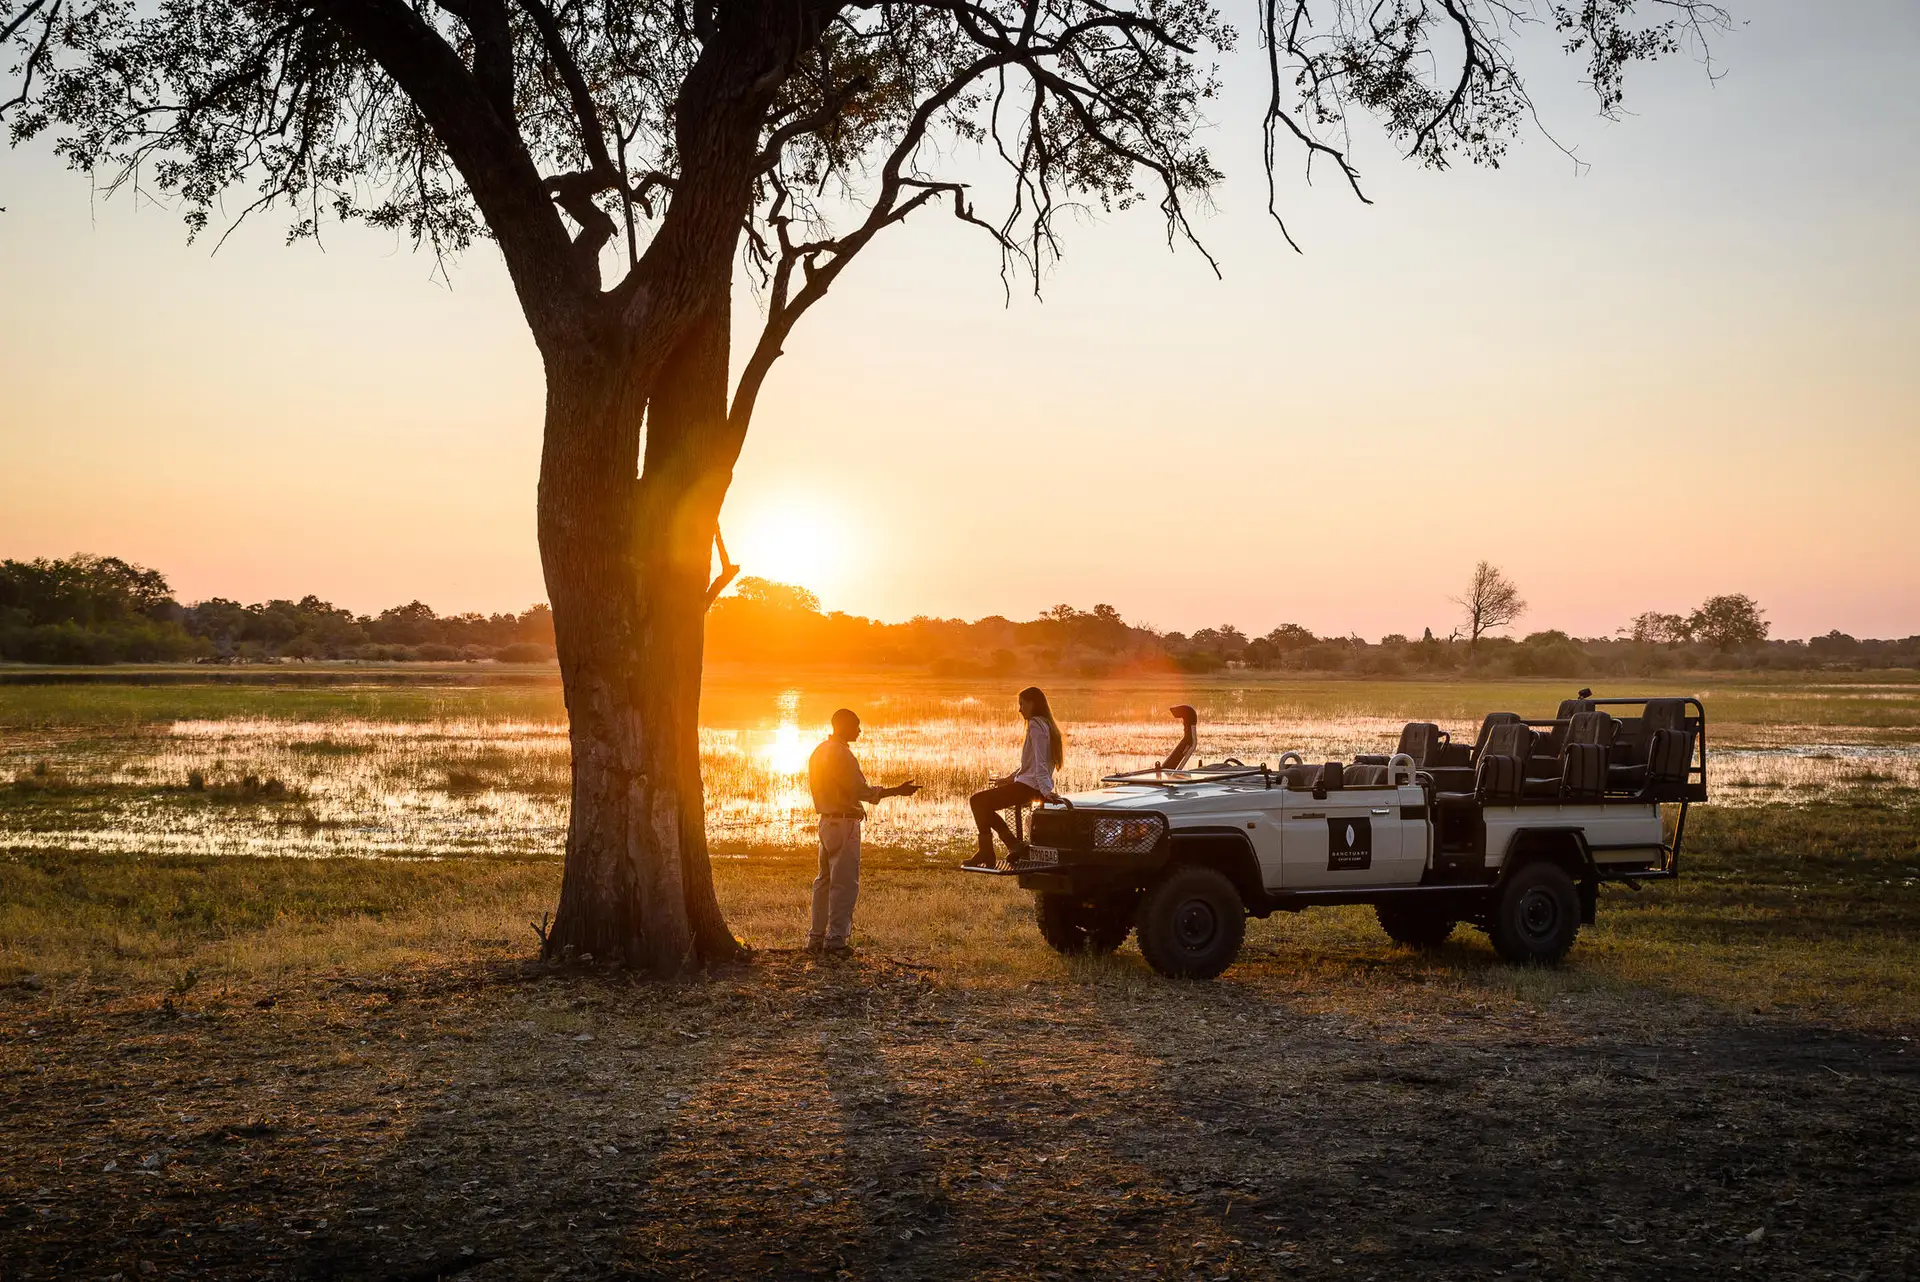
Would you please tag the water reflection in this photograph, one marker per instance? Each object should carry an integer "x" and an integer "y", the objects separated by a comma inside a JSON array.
[{"x": 353, "y": 786}]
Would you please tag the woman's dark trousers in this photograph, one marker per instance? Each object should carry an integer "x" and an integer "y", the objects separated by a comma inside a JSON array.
[{"x": 987, "y": 805}]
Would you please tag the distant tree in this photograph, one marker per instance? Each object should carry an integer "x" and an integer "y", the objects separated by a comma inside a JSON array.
[
  {"x": 1655, "y": 628},
  {"x": 1290, "y": 638},
  {"x": 1732, "y": 622},
  {"x": 82, "y": 589},
  {"x": 753, "y": 590},
  {"x": 1835, "y": 644},
  {"x": 1490, "y": 601},
  {"x": 671, "y": 144}
]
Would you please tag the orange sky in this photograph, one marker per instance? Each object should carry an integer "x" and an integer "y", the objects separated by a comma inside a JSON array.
[{"x": 1687, "y": 371}]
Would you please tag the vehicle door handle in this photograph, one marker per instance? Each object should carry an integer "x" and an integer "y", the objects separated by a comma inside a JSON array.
[{"x": 1382, "y": 810}]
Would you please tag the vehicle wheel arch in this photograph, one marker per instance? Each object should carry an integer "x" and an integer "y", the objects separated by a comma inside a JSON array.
[
  {"x": 1227, "y": 851},
  {"x": 1565, "y": 847}
]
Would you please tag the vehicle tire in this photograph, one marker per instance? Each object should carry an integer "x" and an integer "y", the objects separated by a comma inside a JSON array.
[
  {"x": 1072, "y": 927},
  {"x": 1414, "y": 927},
  {"x": 1537, "y": 915},
  {"x": 1191, "y": 923}
]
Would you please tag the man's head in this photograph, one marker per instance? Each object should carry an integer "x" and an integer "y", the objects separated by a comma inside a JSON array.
[{"x": 845, "y": 725}]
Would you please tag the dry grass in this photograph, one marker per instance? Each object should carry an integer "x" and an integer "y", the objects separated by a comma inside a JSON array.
[{"x": 1806, "y": 912}]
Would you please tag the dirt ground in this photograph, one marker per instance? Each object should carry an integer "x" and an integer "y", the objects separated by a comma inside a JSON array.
[{"x": 867, "y": 1119}]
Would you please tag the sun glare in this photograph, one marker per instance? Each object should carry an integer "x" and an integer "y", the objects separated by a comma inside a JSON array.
[{"x": 790, "y": 543}]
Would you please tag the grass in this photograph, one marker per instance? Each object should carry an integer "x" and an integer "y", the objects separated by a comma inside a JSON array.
[
  {"x": 1809, "y": 913},
  {"x": 221, "y": 1061}
]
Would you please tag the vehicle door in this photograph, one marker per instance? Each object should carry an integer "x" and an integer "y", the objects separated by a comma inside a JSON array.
[{"x": 1352, "y": 837}]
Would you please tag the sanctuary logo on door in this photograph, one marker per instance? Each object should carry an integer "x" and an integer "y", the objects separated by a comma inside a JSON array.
[{"x": 1349, "y": 845}]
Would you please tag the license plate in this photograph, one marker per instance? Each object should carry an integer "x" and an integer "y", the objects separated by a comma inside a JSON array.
[{"x": 1041, "y": 855}]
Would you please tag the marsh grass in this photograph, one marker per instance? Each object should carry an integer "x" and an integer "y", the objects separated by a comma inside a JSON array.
[{"x": 1808, "y": 913}]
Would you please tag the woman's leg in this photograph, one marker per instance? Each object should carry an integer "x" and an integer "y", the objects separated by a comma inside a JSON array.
[{"x": 987, "y": 805}]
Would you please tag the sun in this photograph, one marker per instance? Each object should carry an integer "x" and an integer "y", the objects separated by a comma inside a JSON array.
[{"x": 789, "y": 542}]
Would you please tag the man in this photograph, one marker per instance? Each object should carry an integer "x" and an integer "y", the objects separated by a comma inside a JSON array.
[{"x": 839, "y": 786}]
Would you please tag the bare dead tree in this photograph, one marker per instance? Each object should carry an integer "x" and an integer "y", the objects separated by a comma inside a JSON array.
[
  {"x": 629, "y": 157},
  {"x": 1491, "y": 601}
]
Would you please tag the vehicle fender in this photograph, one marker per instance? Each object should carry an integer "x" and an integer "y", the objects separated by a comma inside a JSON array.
[
  {"x": 1562, "y": 845},
  {"x": 1227, "y": 851}
]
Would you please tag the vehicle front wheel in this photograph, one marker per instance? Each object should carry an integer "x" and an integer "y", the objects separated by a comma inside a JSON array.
[
  {"x": 1414, "y": 927},
  {"x": 1191, "y": 923},
  {"x": 1537, "y": 916},
  {"x": 1072, "y": 926}
]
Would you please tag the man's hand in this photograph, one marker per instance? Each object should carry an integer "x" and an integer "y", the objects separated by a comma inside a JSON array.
[{"x": 906, "y": 789}]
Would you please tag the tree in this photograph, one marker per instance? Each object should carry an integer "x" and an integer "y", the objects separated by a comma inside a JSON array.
[
  {"x": 1654, "y": 628},
  {"x": 1491, "y": 601},
  {"x": 1732, "y": 622},
  {"x": 628, "y": 156}
]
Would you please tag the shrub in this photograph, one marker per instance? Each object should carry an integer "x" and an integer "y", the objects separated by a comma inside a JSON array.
[{"x": 524, "y": 652}]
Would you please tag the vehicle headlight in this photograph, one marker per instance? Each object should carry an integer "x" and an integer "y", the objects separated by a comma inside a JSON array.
[{"x": 1134, "y": 836}]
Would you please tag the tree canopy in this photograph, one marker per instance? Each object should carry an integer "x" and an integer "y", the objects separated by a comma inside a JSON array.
[{"x": 566, "y": 130}]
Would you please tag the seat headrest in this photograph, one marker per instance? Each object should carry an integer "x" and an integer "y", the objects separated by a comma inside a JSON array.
[
  {"x": 1364, "y": 776},
  {"x": 1592, "y": 727},
  {"x": 1486, "y": 727},
  {"x": 1663, "y": 714},
  {"x": 1333, "y": 776},
  {"x": 1421, "y": 741},
  {"x": 1510, "y": 739},
  {"x": 1570, "y": 708}
]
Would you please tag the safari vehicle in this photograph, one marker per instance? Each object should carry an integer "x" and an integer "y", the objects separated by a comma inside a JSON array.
[{"x": 1512, "y": 834}]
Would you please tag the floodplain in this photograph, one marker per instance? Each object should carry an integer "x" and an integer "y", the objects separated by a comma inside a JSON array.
[{"x": 270, "y": 1008}]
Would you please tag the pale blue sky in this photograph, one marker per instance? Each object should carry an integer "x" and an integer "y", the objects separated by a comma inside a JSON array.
[{"x": 1688, "y": 370}]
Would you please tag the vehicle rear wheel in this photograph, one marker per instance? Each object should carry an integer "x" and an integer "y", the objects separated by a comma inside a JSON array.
[
  {"x": 1191, "y": 923},
  {"x": 1072, "y": 926},
  {"x": 1537, "y": 916},
  {"x": 1414, "y": 927}
]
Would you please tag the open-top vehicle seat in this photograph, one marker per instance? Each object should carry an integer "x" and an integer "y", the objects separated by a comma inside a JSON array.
[
  {"x": 1557, "y": 738},
  {"x": 1583, "y": 772},
  {"x": 1364, "y": 775},
  {"x": 1501, "y": 772},
  {"x": 1664, "y": 773},
  {"x": 1421, "y": 740},
  {"x": 1593, "y": 727},
  {"x": 1636, "y": 733},
  {"x": 1455, "y": 770}
]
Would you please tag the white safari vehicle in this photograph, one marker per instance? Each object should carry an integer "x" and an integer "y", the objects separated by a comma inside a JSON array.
[{"x": 1512, "y": 834}]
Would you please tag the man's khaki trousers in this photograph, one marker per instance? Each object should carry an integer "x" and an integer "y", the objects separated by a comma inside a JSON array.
[{"x": 838, "y": 885}]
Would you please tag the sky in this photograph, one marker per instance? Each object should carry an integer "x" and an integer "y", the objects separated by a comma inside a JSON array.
[{"x": 1683, "y": 367}]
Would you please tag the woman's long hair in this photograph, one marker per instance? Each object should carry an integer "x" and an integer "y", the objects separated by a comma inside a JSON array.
[{"x": 1036, "y": 698}]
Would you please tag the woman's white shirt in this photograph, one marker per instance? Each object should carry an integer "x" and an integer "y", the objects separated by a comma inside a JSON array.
[{"x": 1036, "y": 758}]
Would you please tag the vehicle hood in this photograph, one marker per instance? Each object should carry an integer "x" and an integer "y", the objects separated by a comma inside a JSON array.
[{"x": 1141, "y": 797}]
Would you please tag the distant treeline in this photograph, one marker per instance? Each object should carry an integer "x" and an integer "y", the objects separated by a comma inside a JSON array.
[
  {"x": 100, "y": 609},
  {"x": 88, "y": 609},
  {"x": 774, "y": 622}
]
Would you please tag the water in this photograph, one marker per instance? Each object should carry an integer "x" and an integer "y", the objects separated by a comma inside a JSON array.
[{"x": 449, "y": 785}]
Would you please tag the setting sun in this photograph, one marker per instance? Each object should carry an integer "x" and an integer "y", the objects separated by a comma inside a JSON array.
[{"x": 791, "y": 542}]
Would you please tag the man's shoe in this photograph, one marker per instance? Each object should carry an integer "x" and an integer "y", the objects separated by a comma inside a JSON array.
[
  {"x": 1017, "y": 853},
  {"x": 983, "y": 860},
  {"x": 815, "y": 947},
  {"x": 839, "y": 950}
]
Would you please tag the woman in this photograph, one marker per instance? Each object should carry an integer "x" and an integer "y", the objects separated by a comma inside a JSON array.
[{"x": 1040, "y": 756}]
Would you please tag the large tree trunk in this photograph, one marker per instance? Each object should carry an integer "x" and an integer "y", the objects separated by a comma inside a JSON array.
[
  {"x": 627, "y": 559},
  {"x": 626, "y": 566}
]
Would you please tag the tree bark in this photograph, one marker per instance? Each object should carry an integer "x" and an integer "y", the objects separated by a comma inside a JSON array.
[
  {"x": 626, "y": 566},
  {"x": 627, "y": 559}
]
